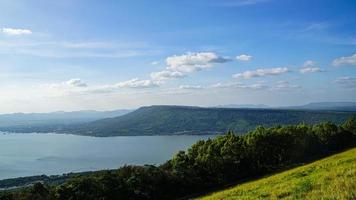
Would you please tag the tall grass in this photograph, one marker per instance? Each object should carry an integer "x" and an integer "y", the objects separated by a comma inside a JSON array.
[{"x": 330, "y": 178}]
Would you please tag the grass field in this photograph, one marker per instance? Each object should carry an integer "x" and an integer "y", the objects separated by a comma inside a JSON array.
[{"x": 331, "y": 178}]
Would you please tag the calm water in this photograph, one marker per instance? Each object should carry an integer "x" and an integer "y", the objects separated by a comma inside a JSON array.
[{"x": 36, "y": 154}]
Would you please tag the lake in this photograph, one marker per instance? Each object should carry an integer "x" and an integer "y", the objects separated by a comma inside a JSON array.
[{"x": 36, "y": 154}]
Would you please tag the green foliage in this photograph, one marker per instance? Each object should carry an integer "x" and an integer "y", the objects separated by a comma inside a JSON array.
[{"x": 207, "y": 164}]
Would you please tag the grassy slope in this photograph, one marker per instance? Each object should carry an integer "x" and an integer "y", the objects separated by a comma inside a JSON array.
[{"x": 330, "y": 178}]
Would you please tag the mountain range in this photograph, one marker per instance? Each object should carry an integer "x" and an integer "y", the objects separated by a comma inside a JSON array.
[
  {"x": 168, "y": 120},
  {"x": 174, "y": 120}
]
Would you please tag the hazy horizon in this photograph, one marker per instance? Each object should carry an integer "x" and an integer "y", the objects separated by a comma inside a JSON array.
[{"x": 213, "y": 106}]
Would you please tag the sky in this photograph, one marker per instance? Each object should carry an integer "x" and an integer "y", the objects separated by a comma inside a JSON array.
[{"x": 114, "y": 54}]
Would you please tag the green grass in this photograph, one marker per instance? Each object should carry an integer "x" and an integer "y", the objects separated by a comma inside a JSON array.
[{"x": 331, "y": 178}]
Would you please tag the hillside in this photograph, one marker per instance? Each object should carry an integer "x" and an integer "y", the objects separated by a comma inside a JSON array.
[
  {"x": 330, "y": 178},
  {"x": 156, "y": 120}
]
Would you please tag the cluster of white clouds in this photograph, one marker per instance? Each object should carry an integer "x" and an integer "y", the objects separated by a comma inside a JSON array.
[
  {"x": 179, "y": 66},
  {"x": 346, "y": 60},
  {"x": 261, "y": 73},
  {"x": 15, "y": 31}
]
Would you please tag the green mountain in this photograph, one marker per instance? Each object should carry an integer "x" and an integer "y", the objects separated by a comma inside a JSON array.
[{"x": 158, "y": 120}]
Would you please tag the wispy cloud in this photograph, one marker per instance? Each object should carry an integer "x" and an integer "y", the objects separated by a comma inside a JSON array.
[
  {"x": 316, "y": 26},
  {"x": 191, "y": 87},
  {"x": 16, "y": 32},
  {"x": 261, "y": 73},
  {"x": 137, "y": 83},
  {"x": 239, "y": 3},
  {"x": 256, "y": 86},
  {"x": 285, "y": 86},
  {"x": 166, "y": 75},
  {"x": 98, "y": 49},
  {"x": 346, "y": 82},
  {"x": 244, "y": 57}
]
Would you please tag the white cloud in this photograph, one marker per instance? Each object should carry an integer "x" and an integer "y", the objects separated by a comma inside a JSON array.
[
  {"x": 192, "y": 62},
  {"x": 137, "y": 83},
  {"x": 191, "y": 87},
  {"x": 346, "y": 82},
  {"x": 347, "y": 60},
  {"x": 261, "y": 73},
  {"x": 76, "y": 83},
  {"x": 309, "y": 63},
  {"x": 244, "y": 57},
  {"x": 305, "y": 70},
  {"x": 166, "y": 75},
  {"x": 155, "y": 62},
  {"x": 16, "y": 32}
]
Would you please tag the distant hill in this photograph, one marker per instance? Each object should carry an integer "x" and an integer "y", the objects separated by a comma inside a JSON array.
[
  {"x": 243, "y": 106},
  {"x": 333, "y": 106},
  {"x": 340, "y": 106},
  {"x": 157, "y": 120},
  {"x": 58, "y": 118}
]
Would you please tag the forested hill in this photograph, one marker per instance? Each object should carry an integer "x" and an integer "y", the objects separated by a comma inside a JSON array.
[{"x": 156, "y": 120}]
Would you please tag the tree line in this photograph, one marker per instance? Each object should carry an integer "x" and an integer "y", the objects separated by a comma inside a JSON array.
[{"x": 205, "y": 165}]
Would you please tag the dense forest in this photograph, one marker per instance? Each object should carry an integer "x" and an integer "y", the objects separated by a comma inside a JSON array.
[{"x": 205, "y": 165}]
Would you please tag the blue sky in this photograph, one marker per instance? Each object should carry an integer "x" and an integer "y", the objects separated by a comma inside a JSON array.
[{"x": 104, "y": 55}]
